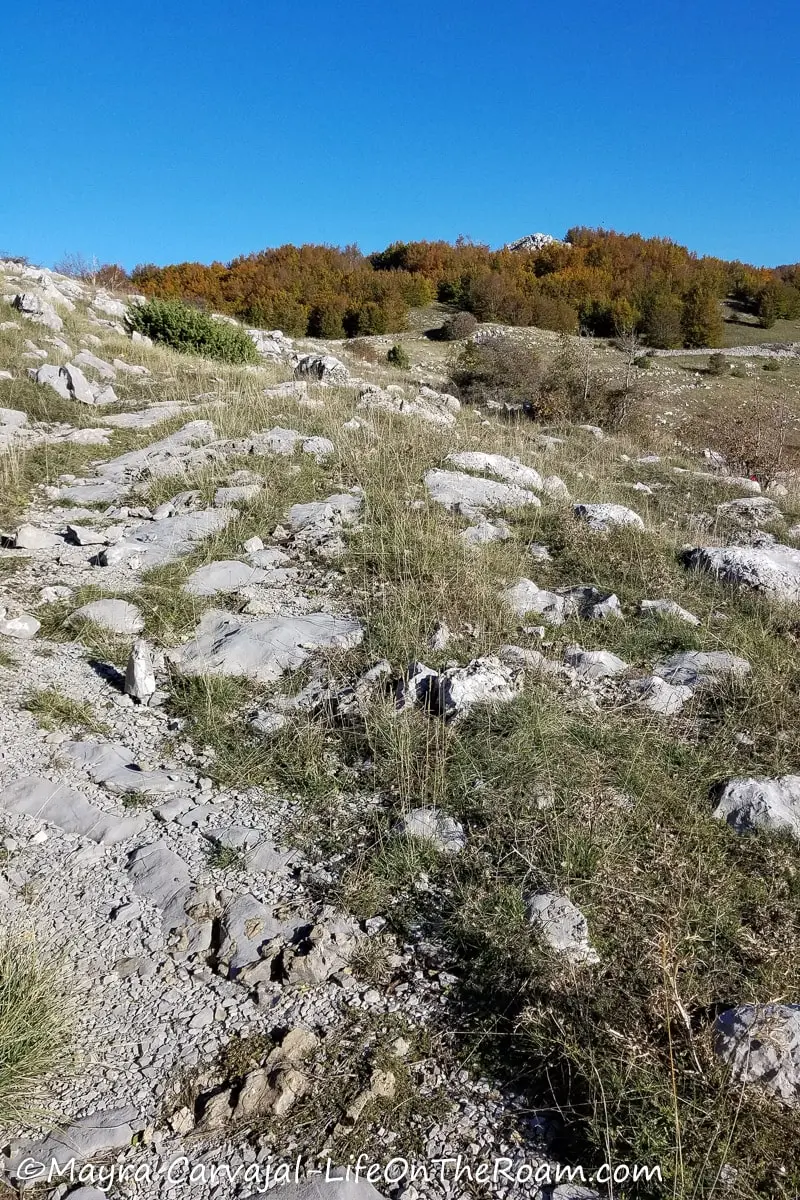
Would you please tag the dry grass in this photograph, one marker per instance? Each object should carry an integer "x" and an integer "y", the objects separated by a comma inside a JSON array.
[{"x": 609, "y": 806}]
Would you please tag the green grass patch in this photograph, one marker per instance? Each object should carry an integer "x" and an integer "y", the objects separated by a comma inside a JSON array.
[{"x": 34, "y": 1027}]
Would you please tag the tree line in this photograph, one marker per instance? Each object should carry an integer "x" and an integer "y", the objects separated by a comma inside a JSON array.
[{"x": 596, "y": 280}]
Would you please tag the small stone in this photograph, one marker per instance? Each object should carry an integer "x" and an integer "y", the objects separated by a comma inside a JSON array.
[
  {"x": 562, "y": 926},
  {"x": 140, "y": 679},
  {"x": 431, "y": 825}
]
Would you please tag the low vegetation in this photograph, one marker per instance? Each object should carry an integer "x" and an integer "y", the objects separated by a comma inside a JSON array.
[
  {"x": 34, "y": 1026},
  {"x": 191, "y": 331},
  {"x": 505, "y": 372}
]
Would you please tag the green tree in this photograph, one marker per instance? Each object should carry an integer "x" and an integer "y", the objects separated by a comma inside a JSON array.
[
  {"x": 701, "y": 320},
  {"x": 661, "y": 320}
]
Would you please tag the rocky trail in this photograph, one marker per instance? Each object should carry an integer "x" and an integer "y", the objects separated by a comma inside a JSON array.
[{"x": 202, "y": 585}]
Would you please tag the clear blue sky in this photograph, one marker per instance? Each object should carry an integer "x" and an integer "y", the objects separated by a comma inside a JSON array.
[{"x": 164, "y": 130}]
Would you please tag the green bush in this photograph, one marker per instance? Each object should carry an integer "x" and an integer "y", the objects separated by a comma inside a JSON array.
[
  {"x": 717, "y": 364},
  {"x": 772, "y": 364},
  {"x": 398, "y": 358},
  {"x": 191, "y": 331}
]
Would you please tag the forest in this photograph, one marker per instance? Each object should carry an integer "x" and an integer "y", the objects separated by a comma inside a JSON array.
[{"x": 596, "y": 280}]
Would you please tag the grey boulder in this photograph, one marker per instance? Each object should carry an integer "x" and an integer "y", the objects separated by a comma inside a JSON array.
[
  {"x": 774, "y": 570},
  {"x": 667, "y": 608},
  {"x": 90, "y": 1137},
  {"x": 31, "y": 537},
  {"x": 604, "y": 517},
  {"x": 113, "y": 765},
  {"x": 324, "y": 368},
  {"x": 510, "y": 470},
  {"x": 223, "y": 576},
  {"x": 262, "y": 650},
  {"x": 483, "y": 681},
  {"x": 593, "y": 665},
  {"x": 117, "y": 616},
  {"x": 156, "y": 542},
  {"x": 140, "y": 679},
  {"x": 23, "y": 626},
  {"x": 699, "y": 668},
  {"x": 562, "y": 927},
  {"x": 69, "y": 381},
  {"x": 748, "y": 804},
  {"x": 660, "y": 697},
  {"x": 761, "y": 1044},
  {"x": 432, "y": 825},
  {"x": 36, "y": 309},
  {"x": 473, "y": 496}
]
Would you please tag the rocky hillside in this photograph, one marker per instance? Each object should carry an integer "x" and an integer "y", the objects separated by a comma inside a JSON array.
[{"x": 386, "y": 775}]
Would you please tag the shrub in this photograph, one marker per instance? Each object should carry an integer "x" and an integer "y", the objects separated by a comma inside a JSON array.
[
  {"x": 754, "y": 440},
  {"x": 363, "y": 350},
  {"x": 644, "y": 362},
  {"x": 501, "y": 370},
  {"x": 398, "y": 357},
  {"x": 190, "y": 331},
  {"x": 772, "y": 364},
  {"x": 717, "y": 364},
  {"x": 739, "y": 371},
  {"x": 460, "y": 325}
]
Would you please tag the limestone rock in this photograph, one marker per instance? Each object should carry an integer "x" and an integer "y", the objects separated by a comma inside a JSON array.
[
  {"x": 272, "y": 344},
  {"x": 594, "y": 664},
  {"x": 69, "y": 381},
  {"x": 749, "y": 511},
  {"x": 431, "y": 825},
  {"x": 486, "y": 531},
  {"x": 337, "y": 1187},
  {"x": 85, "y": 358},
  {"x": 698, "y": 668},
  {"x": 31, "y": 537},
  {"x": 761, "y": 1044},
  {"x": 263, "y": 649},
  {"x": 140, "y": 679},
  {"x": 660, "y": 697},
  {"x": 485, "y": 680},
  {"x": 510, "y": 470},
  {"x": 473, "y": 496},
  {"x": 222, "y": 577},
  {"x": 748, "y": 804},
  {"x": 588, "y": 603},
  {"x": 156, "y": 542},
  {"x": 774, "y": 569},
  {"x": 562, "y": 926},
  {"x": 322, "y": 367},
  {"x": 430, "y": 406},
  {"x": 22, "y": 626},
  {"x": 68, "y": 810},
  {"x": 247, "y": 928},
  {"x": 667, "y": 608},
  {"x": 90, "y": 1137},
  {"x": 117, "y": 616},
  {"x": 38, "y": 310},
  {"x": 604, "y": 517},
  {"x": 114, "y": 766}
]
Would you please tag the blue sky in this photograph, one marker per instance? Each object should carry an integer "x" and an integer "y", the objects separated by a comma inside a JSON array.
[{"x": 164, "y": 130}]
